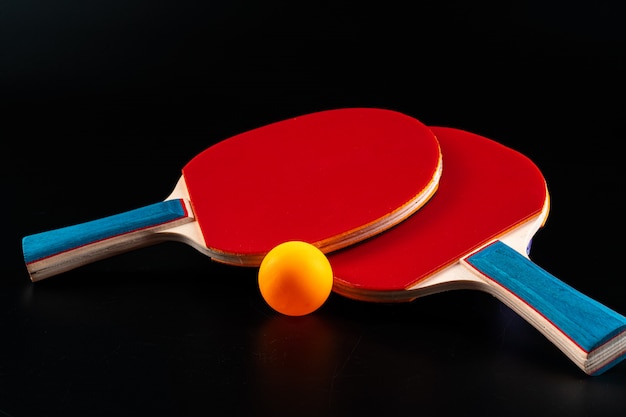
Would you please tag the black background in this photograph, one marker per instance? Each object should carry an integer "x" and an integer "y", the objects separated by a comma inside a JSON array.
[{"x": 104, "y": 101}]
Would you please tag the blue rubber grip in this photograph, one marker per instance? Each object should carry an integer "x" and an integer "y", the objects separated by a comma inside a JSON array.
[
  {"x": 47, "y": 244},
  {"x": 588, "y": 323}
]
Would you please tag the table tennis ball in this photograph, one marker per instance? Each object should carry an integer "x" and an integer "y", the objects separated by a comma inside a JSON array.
[{"x": 295, "y": 278}]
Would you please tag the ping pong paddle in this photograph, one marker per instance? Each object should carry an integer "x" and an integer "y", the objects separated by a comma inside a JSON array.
[
  {"x": 330, "y": 178},
  {"x": 475, "y": 233}
]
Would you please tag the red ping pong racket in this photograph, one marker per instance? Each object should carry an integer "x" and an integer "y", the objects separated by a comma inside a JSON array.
[
  {"x": 330, "y": 178},
  {"x": 475, "y": 233}
]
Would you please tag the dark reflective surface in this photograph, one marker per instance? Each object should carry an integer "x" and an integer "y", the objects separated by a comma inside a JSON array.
[{"x": 105, "y": 102}]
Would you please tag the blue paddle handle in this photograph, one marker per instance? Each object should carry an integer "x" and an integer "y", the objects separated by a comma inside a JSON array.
[
  {"x": 576, "y": 318},
  {"x": 49, "y": 253}
]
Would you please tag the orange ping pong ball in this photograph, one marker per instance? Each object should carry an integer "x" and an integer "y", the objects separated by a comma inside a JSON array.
[{"x": 295, "y": 278}]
